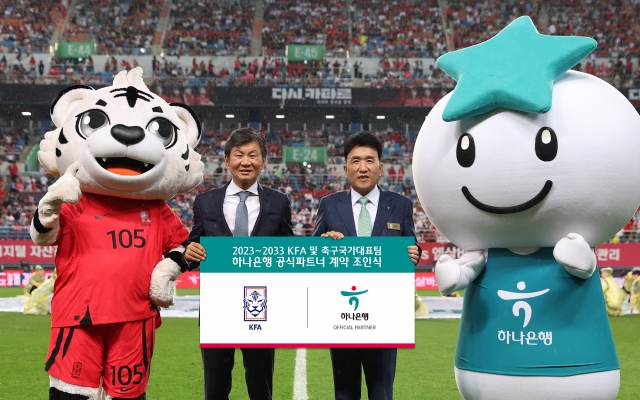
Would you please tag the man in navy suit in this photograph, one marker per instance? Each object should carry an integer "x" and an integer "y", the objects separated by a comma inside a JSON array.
[
  {"x": 240, "y": 208},
  {"x": 365, "y": 210}
]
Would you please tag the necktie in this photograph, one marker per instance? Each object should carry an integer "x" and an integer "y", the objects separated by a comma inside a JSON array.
[
  {"x": 242, "y": 216},
  {"x": 364, "y": 219}
]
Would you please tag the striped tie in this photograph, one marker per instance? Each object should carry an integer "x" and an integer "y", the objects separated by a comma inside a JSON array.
[
  {"x": 364, "y": 219},
  {"x": 242, "y": 216}
]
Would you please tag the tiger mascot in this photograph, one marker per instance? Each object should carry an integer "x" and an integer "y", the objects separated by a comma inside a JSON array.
[{"x": 122, "y": 151}]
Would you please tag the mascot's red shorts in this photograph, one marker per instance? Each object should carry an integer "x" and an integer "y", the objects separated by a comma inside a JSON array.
[{"x": 119, "y": 353}]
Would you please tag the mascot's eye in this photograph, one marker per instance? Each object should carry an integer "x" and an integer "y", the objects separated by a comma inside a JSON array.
[
  {"x": 90, "y": 121},
  {"x": 164, "y": 130},
  {"x": 466, "y": 151},
  {"x": 546, "y": 144}
]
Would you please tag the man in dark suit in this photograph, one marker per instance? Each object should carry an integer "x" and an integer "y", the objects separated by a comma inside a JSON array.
[
  {"x": 365, "y": 210},
  {"x": 240, "y": 208}
]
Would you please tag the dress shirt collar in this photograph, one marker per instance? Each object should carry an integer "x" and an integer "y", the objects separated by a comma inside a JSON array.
[
  {"x": 233, "y": 189},
  {"x": 373, "y": 196}
]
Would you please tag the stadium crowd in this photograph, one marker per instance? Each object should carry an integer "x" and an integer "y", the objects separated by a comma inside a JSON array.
[
  {"x": 311, "y": 22},
  {"x": 27, "y": 25},
  {"x": 12, "y": 141},
  {"x": 399, "y": 29},
  {"x": 117, "y": 27},
  {"x": 305, "y": 184},
  {"x": 217, "y": 28},
  {"x": 370, "y": 28}
]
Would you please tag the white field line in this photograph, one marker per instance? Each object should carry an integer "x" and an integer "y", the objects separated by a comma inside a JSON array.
[{"x": 300, "y": 376}]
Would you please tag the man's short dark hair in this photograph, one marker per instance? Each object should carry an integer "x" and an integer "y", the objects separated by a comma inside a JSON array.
[
  {"x": 243, "y": 136},
  {"x": 365, "y": 139}
]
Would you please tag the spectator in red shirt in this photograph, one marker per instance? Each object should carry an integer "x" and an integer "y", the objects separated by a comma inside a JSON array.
[
  {"x": 427, "y": 99},
  {"x": 413, "y": 100},
  {"x": 588, "y": 68},
  {"x": 202, "y": 99},
  {"x": 392, "y": 174},
  {"x": 13, "y": 170},
  {"x": 175, "y": 97},
  {"x": 188, "y": 97}
]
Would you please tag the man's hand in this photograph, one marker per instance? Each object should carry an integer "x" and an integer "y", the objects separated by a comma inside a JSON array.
[
  {"x": 333, "y": 235},
  {"x": 194, "y": 252},
  {"x": 413, "y": 254}
]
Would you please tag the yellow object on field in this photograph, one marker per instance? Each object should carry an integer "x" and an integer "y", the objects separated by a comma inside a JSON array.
[
  {"x": 38, "y": 302},
  {"x": 421, "y": 308},
  {"x": 634, "y": 305},
  {"x": 36, "y": 280},
  {"x": 613, "y": 295}
]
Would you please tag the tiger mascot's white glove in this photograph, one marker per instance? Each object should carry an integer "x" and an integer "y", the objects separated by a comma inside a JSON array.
[
  {"x": 45, "y": 225},
  {"x": 163, "y": 282}
]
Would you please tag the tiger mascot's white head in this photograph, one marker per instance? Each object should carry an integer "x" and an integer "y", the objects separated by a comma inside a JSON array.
[{"x": 130, "y": 142}]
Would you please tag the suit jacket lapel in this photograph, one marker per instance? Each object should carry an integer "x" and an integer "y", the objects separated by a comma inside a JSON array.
[
  {"x": 217, "y": 200},
  {"x": 265, "y": 205},
  {"x": 345, "y": 209},
  {"x": 385, "y": 208}
]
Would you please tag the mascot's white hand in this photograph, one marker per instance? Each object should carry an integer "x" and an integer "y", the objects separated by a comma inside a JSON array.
[
  {"x": 575, "y": 254},
  {"x": 163, "y": 282},
  {"x": 65, "y": 190},
  {"x": 447, "y": 274}
]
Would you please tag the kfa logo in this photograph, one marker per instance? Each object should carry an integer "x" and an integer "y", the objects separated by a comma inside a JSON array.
[
  {"x": 353, "y": 300},
  {"x": 145, "y": 218},
  {"x": 521, "y": 305},
  {"x": 76, "y": 370},
  {"x": 255, "y": 304}
]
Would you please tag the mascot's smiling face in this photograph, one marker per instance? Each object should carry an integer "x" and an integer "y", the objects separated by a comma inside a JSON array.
[
  {"x": 512, "y": 179},
  {"x": 130, "y": 142}
]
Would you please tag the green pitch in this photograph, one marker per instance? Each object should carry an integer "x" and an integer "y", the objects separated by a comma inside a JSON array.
[{"x": 425, "y": 372}]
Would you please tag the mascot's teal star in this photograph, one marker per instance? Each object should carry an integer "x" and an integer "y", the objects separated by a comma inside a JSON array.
[{"x": 515, "y": 69}]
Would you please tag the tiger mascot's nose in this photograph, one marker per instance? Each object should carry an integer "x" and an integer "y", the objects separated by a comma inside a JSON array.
[{"x": 127, "y": 135}]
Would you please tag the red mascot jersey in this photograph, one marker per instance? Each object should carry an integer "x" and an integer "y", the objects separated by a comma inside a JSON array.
[{"x": 107, "y": 250}]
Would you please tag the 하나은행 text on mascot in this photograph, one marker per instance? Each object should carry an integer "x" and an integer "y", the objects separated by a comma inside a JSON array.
[
  {"x": 120, "y": 152},
  {"x": 520, "y": 167}
]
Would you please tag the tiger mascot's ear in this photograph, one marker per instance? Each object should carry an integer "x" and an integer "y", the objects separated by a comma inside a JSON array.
[
  {"x": 190, "y": 121},
  {"x": 193, "y": 132},
  {"x": 66, "y": 101},
  {"x": 61, "y": 108}
]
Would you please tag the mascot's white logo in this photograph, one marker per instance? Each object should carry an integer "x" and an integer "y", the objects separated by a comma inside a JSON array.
[{"x": 521, "y": 305}]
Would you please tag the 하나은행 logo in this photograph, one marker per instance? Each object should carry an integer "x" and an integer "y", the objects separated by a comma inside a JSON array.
[{"x": 353, "y": 300}]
